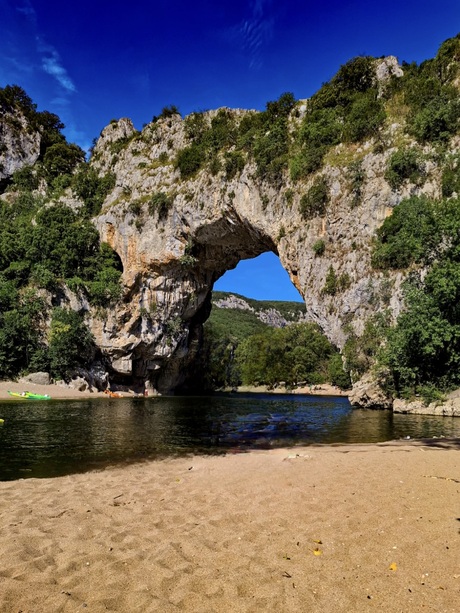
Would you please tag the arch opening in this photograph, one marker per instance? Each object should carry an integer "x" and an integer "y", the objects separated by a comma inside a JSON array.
[
  {"x": 253, "y": 298},
  {"x": 260, "y": 278}
]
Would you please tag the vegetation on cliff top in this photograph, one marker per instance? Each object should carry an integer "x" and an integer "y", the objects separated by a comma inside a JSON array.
[{"x": 352, "y": 107}]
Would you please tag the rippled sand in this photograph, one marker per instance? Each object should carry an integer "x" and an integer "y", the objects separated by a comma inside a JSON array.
[{"x": 326, "y": 529}]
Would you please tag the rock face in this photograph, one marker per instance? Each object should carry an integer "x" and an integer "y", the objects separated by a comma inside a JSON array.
[
  {"x": 20, "y": 146},
  {"x": 270, "y": 316},
  {"x": 367, "y": 394},
  {"x": 448, "y": 408},
  {"x": 176, "y": 237},
  {"x": 38, "y": 378}
]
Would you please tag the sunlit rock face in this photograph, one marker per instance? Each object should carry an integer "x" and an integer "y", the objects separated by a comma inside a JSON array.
[
  {"x": 173, "y": 254},
  {"x": 19, "y": 144},
  {"x": 177, "y": 235}
]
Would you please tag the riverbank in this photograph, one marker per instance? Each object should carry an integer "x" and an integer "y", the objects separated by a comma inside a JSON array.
[
  {"x": 315, "y": 390},
  {"x": 60, "y": 392},
  {"x": 332, "y": 528}
]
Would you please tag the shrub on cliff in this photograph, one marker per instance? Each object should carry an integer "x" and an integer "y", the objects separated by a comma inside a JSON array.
[
  {"x": 234, "y": 164},
  {"x": 450, "y": 183},
  {"x": 166, "y": 113},
  {"x": 270, "y": 146},
  {"x": 432, "y": 96},
  {"x": 190, "y": 160},
  {"x": 438, "y": 120},
  {"x": 410, "y": 235},
  {"x": 403, "y": 164},
  {"x": 160, "y": 203},
  {"x": 314, "y": 202}
]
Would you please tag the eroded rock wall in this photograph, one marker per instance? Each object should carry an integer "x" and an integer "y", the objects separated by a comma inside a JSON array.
[
  {"x": 173, "y": 255},
  {"x": 19, "y": 144}
]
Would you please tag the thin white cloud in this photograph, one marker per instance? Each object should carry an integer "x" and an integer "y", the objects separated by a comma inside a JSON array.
[
  {"x": 75, "y": 135},
  {"x": 48, "y": 56},
  {"x": 18, "y": 64},
  {"x": 51, "y": 63},
  {"x": 26, "y": 55},
  {"x": 28, "y": 10},
  {"x": 256, "y": 31}
]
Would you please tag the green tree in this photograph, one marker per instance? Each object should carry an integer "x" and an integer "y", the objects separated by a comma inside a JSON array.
[
  {"x": 337, "y": 374},
  {"x": 190, "y": 160},
  {"x": 21, "y": 321},
  {"x": 14, "y": 330},
  {"x": 403, "y": 164},
  {"x": 64, "y": 243},
  {"x": 331, "y": 282},
  {"x": 62, "y": 158},
  {"x": 70, "y": 343},
  {"x": 422, "y": 351},
  {"x": 364, "y": 117},
  {"x": 299, "y": 352},
  {"x": 91, "y": 188}
]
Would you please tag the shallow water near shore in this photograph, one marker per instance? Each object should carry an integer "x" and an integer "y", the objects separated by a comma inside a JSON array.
[{"x": 58, "y": 437}]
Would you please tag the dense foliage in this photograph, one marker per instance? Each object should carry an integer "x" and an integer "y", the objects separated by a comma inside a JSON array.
[
  {"x": 346, "y": 109},
  {"x": 70, "y": 343},
  {"x": 422, "y": 352},
  {"x": 59, "y": 247},
  {"x": 410, "y": 235},
  {"x": 294, "y": 354},
  {"x": 46, "y": 245}
]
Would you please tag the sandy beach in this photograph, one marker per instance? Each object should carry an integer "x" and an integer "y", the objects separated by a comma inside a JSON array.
[
  {"x": 324, "y": 529},
  {"x": 60, "y": 392},
  {"x": 55, "y": 391},
  {"x": 314, "y": 390}
]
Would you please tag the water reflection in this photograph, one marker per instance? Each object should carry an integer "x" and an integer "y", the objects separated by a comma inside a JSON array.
[{"x": 61, "y": 437}]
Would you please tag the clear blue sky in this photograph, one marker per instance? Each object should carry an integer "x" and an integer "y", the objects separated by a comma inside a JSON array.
[{"x": 90, "y": 61}]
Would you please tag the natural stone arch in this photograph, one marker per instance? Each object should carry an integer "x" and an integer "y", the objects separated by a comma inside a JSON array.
[
  {"x": 172, "y": 257},
  {"x": 174, "y": 300}
]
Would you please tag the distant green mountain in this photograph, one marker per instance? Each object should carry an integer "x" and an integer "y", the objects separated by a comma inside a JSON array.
[{"x": 241, "y": 317}]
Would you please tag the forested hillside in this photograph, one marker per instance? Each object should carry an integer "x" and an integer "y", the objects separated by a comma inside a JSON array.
[{"x": 242, "y": 346}]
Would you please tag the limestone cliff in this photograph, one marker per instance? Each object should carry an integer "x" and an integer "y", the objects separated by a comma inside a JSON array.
[
  {"x": 191, "y": 200},
  {"x": 177, "y": 236},
  {"x": 19, "y": 145},
  {"x": 266, "y": 313}
]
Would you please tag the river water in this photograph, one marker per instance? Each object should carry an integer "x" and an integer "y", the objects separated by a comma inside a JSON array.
[{"x": 58, "y": 437}]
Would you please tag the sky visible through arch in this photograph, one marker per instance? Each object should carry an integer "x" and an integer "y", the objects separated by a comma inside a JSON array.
[{"x": 95, "y": 60}]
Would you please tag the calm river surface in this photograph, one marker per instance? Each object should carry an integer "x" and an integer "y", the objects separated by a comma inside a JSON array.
[{"x": 51, "y": 438}]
